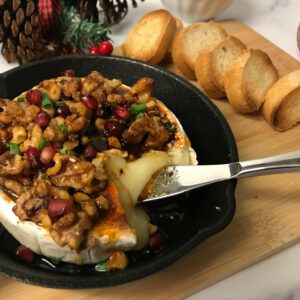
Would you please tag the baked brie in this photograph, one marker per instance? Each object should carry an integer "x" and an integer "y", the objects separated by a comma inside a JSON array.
[{"x": 76, "y": 157}]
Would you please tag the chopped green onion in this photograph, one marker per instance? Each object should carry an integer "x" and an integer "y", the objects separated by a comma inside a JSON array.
[
  {"x": 136, "y": 109},
  {"x": 43, "y": 144},
  {"x": 102, "y": 267},
  {"x": 64, "y": 151},
  {"x": 21, "y": 99},
  {"x": 46, "y": 102},
  {"x": 25, "y": 188},
  {"x": 139, "y": 116},
  {"x": 170, "y": 128},
  {"x": 63, "y": 128},
  {"x": 60, "y": 102},
  {"x": 13, "y": 148}
]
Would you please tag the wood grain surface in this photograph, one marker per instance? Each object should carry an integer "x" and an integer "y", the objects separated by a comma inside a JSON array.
[{"x": 267, "y": 216}]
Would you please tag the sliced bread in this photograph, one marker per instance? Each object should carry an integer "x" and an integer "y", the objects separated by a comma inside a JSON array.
[
  {"x": 212, "y": 64},
  {"x": 198, "y": 37},
  {"x": 282, "y": 102},
  {"x": 248, "y": 79},
  {"x": 150, "y": 39},
  {"x": 178, "y": 58}
]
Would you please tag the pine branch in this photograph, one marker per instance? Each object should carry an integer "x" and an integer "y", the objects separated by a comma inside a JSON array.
[{"x": 80, "y": 34}]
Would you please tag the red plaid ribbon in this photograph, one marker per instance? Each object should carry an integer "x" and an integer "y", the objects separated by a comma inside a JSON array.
[{"x": 48, "y": 21}]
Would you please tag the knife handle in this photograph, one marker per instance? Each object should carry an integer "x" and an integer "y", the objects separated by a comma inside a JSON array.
[{"x": 283, "y": 163}]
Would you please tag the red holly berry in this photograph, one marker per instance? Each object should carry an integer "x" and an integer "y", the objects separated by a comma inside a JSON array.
[
  {"x": 105, "y": 48},
  {"x": 24, "y": 253},
  {"x": 93, "y": 50},
  {"x": 58, "y": 208}
]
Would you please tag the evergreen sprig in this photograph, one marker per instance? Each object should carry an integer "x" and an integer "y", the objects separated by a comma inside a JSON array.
[{"x": 80, "y": 34}]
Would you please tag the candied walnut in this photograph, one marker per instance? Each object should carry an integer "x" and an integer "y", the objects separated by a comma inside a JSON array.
[
  {"x": 102, "y": 202},
  {"x": 142, "y": 89},
  {"x": 70, "y": 145},
  {"x": 99, "y": 123},
  {"x": 57, "y": 166},
  {"x": 99, "y": 94},
  {"x": 75, "y": 123},
  {"x": 44, "y": 218},
  {"x": 96, "y": 76},
  {"x": 79, "y": 197},
  {"x": 138, "y": 129},
  {"x": 69, "y": 86},
  {"x": 158, "y": 138},
  {"x": 157, "y": 135},
  {"x": 96, "y": 186},
  {"x": 99, "y": 163},
  {"x": 74, "y": 235},
  {"x": 113, "y": 142},
  {"x": 12, "y": 164},
  {"x": 54, "y": 133},
  {"x": 52, "y": 89},
  {"x": 65, "y": 221},
  {"x": 79, "y": 109},
  {"x": 5, "y": 117},
  {"x": 90, "y": 208},
  {"x": 33, "y": 139},
  {"x": 19, "y": 134},
  {"x": 3, "y": 134},
  {"x": 73, "y": 173},
  {"x": 12, "y": 185},
  {"x": 117, "y": 260},
  {"x": 59, "y": 193},
  {"x": 88, "y": 86}
]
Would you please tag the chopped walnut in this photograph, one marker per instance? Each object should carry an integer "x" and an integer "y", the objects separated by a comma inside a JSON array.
[
  {"x": 19, "y": 134},
  {"x": 13, "y": 164},
  {"x": 33, "y": 139},
  {"x": 52, "y": 89}
]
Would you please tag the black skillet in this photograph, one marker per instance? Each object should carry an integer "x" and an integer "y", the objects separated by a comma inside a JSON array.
[{"x": 186, "y": 220}]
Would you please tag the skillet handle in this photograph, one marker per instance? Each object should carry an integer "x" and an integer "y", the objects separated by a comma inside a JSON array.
[{"x": 283, "y": 163}]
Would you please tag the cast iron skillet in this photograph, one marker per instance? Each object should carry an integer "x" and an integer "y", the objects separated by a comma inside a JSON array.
[{"x": 187, "y": 220}]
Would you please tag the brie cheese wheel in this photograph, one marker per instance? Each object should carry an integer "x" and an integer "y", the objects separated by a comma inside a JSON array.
[{"x": 126, "y": 227}]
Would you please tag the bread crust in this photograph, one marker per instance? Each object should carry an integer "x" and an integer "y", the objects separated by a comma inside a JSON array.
[
  {"x": 234, "y": 84},
  {"x": 277, "y": 98},
  {"x": 178, "y": 57},
  {"x": 150, "y": 39},
  {"x": 198, "y": 37},
  {"x": 203, "y": 71}
]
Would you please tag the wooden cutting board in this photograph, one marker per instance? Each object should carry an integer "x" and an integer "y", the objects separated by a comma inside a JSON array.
[{"x": 267, "y": 216}]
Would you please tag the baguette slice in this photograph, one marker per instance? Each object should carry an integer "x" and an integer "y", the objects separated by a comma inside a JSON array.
[
  {"x": 178, "y": 58},
  {"x": 150, "y": 39},
  {"x": 282, "y": 106},
  {"x": 212, "y": 64},
  {"x": 248, "y": 79},
  {"x": 198, "y": 37}
]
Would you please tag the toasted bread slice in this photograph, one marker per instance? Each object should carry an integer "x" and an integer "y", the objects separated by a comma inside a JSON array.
[
  {"x": 212, "y": 63},
  {"x": 150, "y": 39},
  {"x": 282, "y": 106},
  {"x": 248, "y": 79},
  {"x": 178, "y": 58},
  {"x": 198, "y": 37}
]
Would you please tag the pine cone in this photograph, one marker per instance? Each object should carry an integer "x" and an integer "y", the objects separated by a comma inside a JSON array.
[{"x": 19, "y": 31}]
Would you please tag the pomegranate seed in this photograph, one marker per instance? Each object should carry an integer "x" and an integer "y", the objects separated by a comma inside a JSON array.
[
  {"x": 90, "y": 102},
  {"x": 47, "y": 154},
  {"x": 34, "y": 97},
  {"x": 58, "y": 208},
  {"x": 24, "y": 253},
  {"x": 122, "y": 112},
  {"x": 33, "y": 155},
  {"x": 63, "y": 110},
  {"x": 113, "y": 128},
  {"x": 156, "y": 241},
  {"x": 42, "y": 119},
  {"x": 68, "y": 73},
  {"x": 93, "y": 50},
  {"x": 3, "y": 148},
  {"x": 105, "y": 48},
  {"x": 90, "y": 152}
]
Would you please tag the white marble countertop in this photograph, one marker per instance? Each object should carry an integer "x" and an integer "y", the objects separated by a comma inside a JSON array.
[{"x": 276, "y": 278}]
